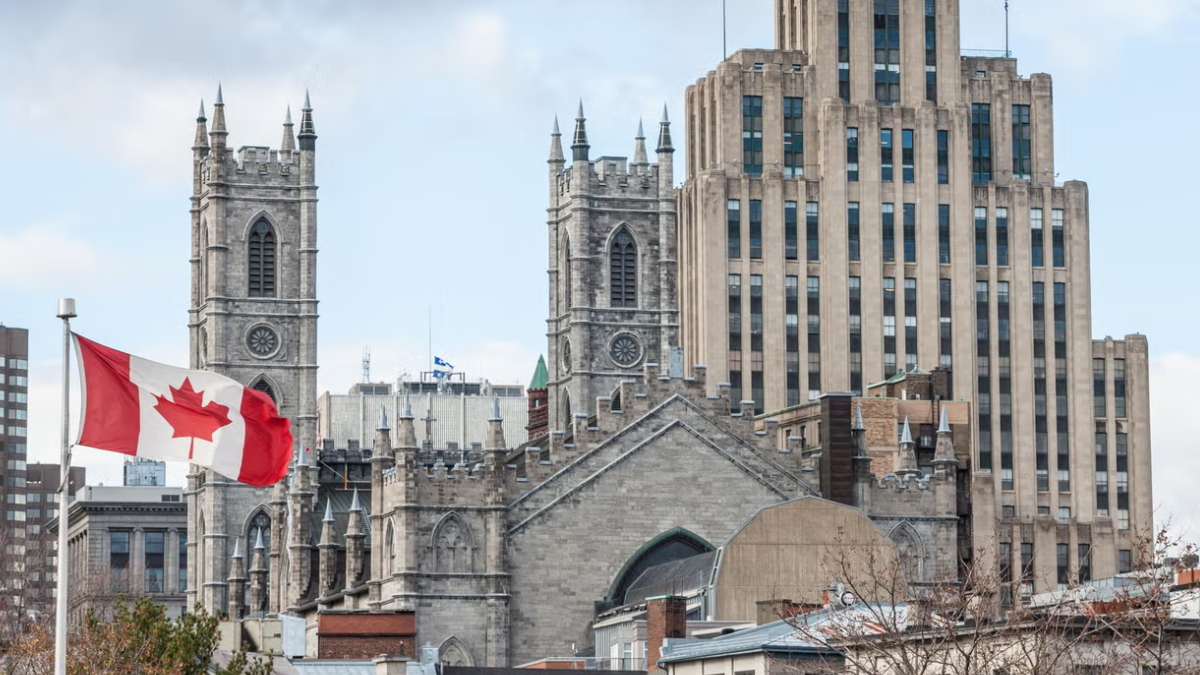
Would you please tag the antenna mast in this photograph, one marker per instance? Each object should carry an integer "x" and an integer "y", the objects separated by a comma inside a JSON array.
[
  {"x": 366, "y": 365},
  {"x": 1007, "y": 52}
]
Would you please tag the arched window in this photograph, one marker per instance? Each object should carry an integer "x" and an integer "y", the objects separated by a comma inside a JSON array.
[
  {"x": 455, "y": 652},
  {"x": 261, "y": 282},
  {"x": 674, "y": 544},
  {"x": 390, "y": 550},
  {"x": 453, "y": 546},
  {"x": 262, "y": 385},
  {"x": 622, "y": 269},
  {"x": 566, "y": 266}
]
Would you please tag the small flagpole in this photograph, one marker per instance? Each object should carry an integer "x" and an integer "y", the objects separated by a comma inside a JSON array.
[{"x": 66, "y": 311}]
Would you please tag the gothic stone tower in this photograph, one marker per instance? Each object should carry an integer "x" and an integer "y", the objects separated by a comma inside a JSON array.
[
  {"x": 253, "y": 318},
  {"x": 612, "y": 269}
]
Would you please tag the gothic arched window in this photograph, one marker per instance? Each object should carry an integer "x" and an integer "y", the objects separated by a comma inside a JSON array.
[
  {"x": 265, "y": 387},
  {"x": 566, "y": 265},
  {"x": 261, "y": 268},
  {"x": 453, "y": 546},
  {"x": 390, "y": 550},
  {"x": 622, "y": 267}
]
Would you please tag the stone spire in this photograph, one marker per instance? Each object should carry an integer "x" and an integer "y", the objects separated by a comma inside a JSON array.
[
  {"x": 219, "y": 132},
  {"x": 858, "y": 434},
  {"x": 495, "y": 435},
  {"x": 944, "y": 451},
  {"x": 579, "y": 144},
  {"x": 328, "y": 552},
  {"x": 201, "y": 143},
  {"x": 258, "y": 577},
  {"x": 383, "y": 423},
  {"x": 289, "y": 140},
  {"x": 906, "y": 458},
  {"x": 406, "y": 433},
  {"x": 308, "y": 134},
  {"x": 237, "y": 582},
  {"x": 664, "y": 133},
  {"x": 556, "y": 153},
  {"x": 355, "y": 550},
  {"x": 639, "y": 146}
]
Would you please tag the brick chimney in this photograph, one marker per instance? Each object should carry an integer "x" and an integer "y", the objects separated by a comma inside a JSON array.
[{"x": 666, "y": 617}]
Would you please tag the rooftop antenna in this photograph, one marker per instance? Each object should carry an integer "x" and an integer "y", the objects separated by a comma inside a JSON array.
[
  {"x": 1007, "y": 52},
  {"x": 366, "y": 365}
]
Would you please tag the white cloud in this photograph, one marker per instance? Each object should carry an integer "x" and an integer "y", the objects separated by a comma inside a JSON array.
[
  {"x": 1175, "y": 444},
  {"x": 49, "y": 253}
]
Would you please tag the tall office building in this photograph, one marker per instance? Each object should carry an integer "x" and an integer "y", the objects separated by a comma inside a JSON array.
[
  {"x": 143, "y": 472},
  {"x": 14, "y": 413},
  {"x": 924, "y": 223},
  {"x": 42, "y": 505}
]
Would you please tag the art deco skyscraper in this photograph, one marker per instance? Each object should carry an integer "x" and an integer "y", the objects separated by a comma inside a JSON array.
[{"x": 909, "y": 189}]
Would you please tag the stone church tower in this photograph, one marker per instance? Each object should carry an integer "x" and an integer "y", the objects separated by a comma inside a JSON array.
[
  {"x": 612, "y": 269},
  {"x": 253, "y": 317}
]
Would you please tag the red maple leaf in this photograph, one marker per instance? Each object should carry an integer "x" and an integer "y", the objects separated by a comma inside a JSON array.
[{"x": 189, "y": 419}]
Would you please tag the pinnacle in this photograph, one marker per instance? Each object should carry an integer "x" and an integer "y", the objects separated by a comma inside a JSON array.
[
  {"x": 220, "y": 98},
  {"x": 237, "y": 546},
  {"x": 383, "y": 423},
  {"x": 258, "y": 544},
  {"x": 906, "y": 434},
  {"x": 307, "y": 105},
  {"x": 641, "y": 135},
  {"x": 287, "y": 119},
  {"x": 354, "y": 505},
  {"x": 328, "y": 510},
  {"x": 200, "y": 115},
  {"x": 943, "y": 424},
  {"x": 579, "y": 115},
  {"x": 496, "y": 408},
  {"x": 858, "y": 418},
  {"x": 665, "y": 119},
  {"x": 556, "y": 132}
]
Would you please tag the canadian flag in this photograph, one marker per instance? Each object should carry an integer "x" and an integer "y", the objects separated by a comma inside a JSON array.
[{"x": 143, "y": 408}]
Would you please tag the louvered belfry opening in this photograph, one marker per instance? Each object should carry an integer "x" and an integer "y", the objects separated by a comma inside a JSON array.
[
  {"x": 262, "y": 261},
  {"x": 623, "y": 271}
]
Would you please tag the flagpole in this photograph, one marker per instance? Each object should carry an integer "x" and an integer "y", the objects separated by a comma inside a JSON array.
[{"x": 66, "y": 311}]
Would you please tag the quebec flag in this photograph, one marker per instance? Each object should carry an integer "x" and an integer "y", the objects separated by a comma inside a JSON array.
[{"x": 439, "y": 361}]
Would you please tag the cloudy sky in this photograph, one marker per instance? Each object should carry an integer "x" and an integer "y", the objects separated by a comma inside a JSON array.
[{"x": 433, "y": 122}]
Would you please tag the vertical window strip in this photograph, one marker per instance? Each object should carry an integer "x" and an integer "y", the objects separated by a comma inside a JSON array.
[
  {"x": 1037, "y": 239},
  {"x": 755, "y": 229},
  {"x": 944, "y": 234},
  {"x": 1004, "y": 377},
  {"x": 1001, "y": 236},
  {"x": 1099, "y": 389},
  {"x": 792, "y": 338},
  {"x": 910, "y": 233},
  {"x": 623, "y": 271},
  {"x": 1119, "y": 401},
  {"x": 852, "y": 154},
  {"x": 910, "y": 323},
  {"x": 943, "y": 157},
  {"x": 1041, "y": 428},
  {"x": 906, "y": 156},
  {"x": 843, "y": 8},
  {"x": 1122, "y": 482},
  {"x": 946, "y": 328},
  {"x": 752, "y": 144},
  {"x": 814, "y": 337},
  {"x": 735, "y": 337},
  {"x": 1022, "y": 141},
  {"x": 931, "y": 50},
  {"x": 855, "y": 288},
  {"x": 1101, "y": 455},
  {"x": 793, "y": 137},
  {"x": 889, "y": 232},
  {"x": 853, "y": 231},
  {"x": 887, "y": 51},
  {"x": 790, "y": 247},
  {"x": 984, "y": 385},
  {"x": 1062, "y": 441},
  {"x": 813, "y": 231},
  {"x": 260, "y": 281},
  {"x": 981, "y": 243},
  {"x": 734, "y": 209},
  {"x": 981, "y": 143},
  {"x": 885, "y": 155},
  {"x": 889, "y": 326},
  {"x": 756, "y": 342},
  {"x": 1057, "y": 236}
]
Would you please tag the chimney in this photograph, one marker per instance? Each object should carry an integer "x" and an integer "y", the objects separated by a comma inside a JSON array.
[{"x": 666, "y": 617}]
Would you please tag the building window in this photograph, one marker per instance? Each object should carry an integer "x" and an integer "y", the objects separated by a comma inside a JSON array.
[
  {"x": 981, "y": 244},
  {"x": 853, "y": 233},
  {"x": 735, "y": 228},
  {"x": 813, "y": 228},
  {"x": 118, "y": 558},
  {"x": 814, "y": 337},
  {"x": 906, "y": 155},
  {"x": 981, "y": 143},
  {"x": 1004, "y": 553},
  {"x": 889, "y": 326},
  {"x": 756, "y": 342},
  {"x": 755, "y": 229},
  {"x": 793, "y": 137},
  {"x": 943, "y": 157},
  {"x": 1022, "y": 139},
  {"x": 789, "y": 231},
  {"x": 183, "y": 562},
  {"x": 984, "y": 388},
  {"x": 1036, "y": 238},
  {"x": 792, "y": 338},
  {"x": 1001, "y": 236},
  {"x": 856, "y": 334},
  {"x": 1041, "y": 430},
  {"x": 1056, "y": 237},
  {"x": 887, "y": 51},
  {"x": 155, "y": 546},
  {"x": 885, "y": 155},
  {"x": 889, "y": 233},
  {"x": 261, "y": 265},
  {"x": 735, "y": 337},
  {"x": 910, "y": 233},
  {"x": 931, "y": 50},
  {"x": 1063, "y": 559},
  {"x": 1004, "y": 372},
  {"x": 910, "y": 323},
  {"x": 1099, "y": 401},
  {"x": 1119, "y": 388},
  {"x": 752, "y": 145},
  {"x": 852, "y": 154},
  {"x": 1124, "y": 561},
  {"x": 1102, "y": 504},
  {"x": 844, "y": 50},
  {"x": 622, "y": 265},
  {"x": 946, "y": 333},
  {"x": 1027, "y": 561}
]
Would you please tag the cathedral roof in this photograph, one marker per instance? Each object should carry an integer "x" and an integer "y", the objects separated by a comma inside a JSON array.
[{"x": 541, "y": 377}]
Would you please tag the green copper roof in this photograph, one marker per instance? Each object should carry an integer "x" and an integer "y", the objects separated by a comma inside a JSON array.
[{"x": 541, "y": 377}]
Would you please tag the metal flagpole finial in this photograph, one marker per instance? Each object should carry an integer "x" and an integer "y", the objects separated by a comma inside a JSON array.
[{"x": 66, "y": 308}]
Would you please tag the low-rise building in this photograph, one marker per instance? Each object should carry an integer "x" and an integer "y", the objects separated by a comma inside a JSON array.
[{"x": 126, "y": 542}]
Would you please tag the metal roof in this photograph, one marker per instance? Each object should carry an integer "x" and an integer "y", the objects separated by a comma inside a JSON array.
[
  {"x": 541, "y": 377},
  {"x": 672, "y": 578}
]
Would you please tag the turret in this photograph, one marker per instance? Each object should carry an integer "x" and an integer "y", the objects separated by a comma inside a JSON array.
[
  {"x": 300, "y": 545},
  {"x": 355, "y": 538},
  {"x": 639, "y": 149},
  {"x": 258, "y": 577},
  {"x": 308, "y": 134},
  {"x": 906, "y": 458},
  {"x": 404, "y": 491},
  {"x": 495, "y": 437},
  {"x": 200, "y": 144},
  {"x": 380, "y": 453},
  {"x": 288, "y": 144},
  {"x": 328, "y": 552},
  {"x": 219, "y": 132},
  {"x": 496, "y": 533},
  {"x": 579, "y": 143},
  {"x": 863, "y": 478},
  {"x": 279, "y": 505},
  {"x": 944, "y": 459},
  {"x": 237, "y": 582},
  {"x": 556, "y": 151},
  {"x": 406, "y": 433}
]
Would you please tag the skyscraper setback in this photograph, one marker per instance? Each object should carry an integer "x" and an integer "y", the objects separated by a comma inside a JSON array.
[{"x": 919, "y": 227}]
